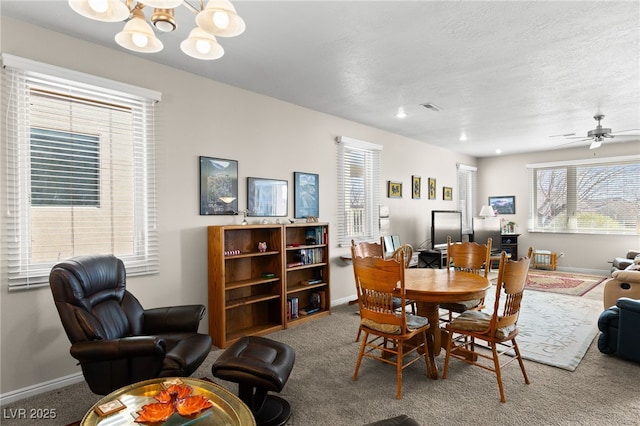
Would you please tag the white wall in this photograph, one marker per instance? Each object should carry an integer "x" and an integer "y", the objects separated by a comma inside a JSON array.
[{"x": 269, "y": 138}]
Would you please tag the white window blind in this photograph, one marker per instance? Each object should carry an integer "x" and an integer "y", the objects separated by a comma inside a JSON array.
[
  {"x": 80, "y": 171},
  {"x": 358, "y": 164},
  {"x": 466, "y": 195},
  {"x": 599, "y": 196}
]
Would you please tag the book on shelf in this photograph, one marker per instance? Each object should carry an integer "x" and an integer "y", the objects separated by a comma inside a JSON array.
[
  {"x": 292, "y": 308},
  {"x": 308, "y": 311}
]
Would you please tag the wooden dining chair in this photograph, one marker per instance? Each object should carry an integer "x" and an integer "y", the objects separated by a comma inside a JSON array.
[
  {"x": 387, "y": 331},
  {"x": 468, "y": 257},
  {"x": 404, "y": 251},
  {"x": 497, "y": 328}
]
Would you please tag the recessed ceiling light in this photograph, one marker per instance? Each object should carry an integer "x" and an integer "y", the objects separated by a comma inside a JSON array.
[
  {"x": 498, "y": 151},
  {"x": 463, "y": 136},
  {"x": 401, "y": 113}
]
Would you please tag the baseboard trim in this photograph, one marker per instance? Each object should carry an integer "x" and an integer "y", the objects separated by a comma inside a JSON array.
[{"x": 60, "y": 382}]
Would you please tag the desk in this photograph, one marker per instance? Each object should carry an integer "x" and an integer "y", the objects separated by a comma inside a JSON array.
[
  {"x": 430, "y": 287},
  {"x": 227, "y": 408}
]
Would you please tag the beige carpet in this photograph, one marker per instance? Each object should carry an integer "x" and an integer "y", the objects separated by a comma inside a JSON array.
[{"x": 562, "y": 282}]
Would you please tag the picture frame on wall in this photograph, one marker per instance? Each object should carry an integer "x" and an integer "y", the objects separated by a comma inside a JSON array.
[
  {"x": 447, "y": 193},
  {"x": 416, "y": 182},
  {"x": 503, "y": 204},
  {"x": 218, "y": 186},
  {"x": 432, "y": 188},
  {"x": 267, "y": 197},
  {"x": 394, "y": 189},
  {"x": 306, "y": 195}
]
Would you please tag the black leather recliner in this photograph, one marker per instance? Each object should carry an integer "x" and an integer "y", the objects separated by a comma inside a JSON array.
[
  {"x": 115, "y": 340},
  {"x": 620, "y": 327}
]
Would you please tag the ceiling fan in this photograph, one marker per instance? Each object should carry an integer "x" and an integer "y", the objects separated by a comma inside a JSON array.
[{"x": 597, "y": 135}]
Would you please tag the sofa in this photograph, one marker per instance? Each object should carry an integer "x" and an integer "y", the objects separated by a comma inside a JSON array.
[
  {"x": 620, "y": 330},
  {"x": 625, "y": 279}
]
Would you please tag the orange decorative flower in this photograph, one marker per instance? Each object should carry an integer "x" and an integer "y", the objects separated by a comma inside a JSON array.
[{"x": 174, "y": 398}]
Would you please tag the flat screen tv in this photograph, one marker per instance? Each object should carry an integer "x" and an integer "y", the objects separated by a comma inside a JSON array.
[{"x": 443, "y": 224}]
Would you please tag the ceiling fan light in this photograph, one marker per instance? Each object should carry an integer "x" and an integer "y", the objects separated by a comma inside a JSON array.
[
  {"x": 162, "y": 4},
  {"x": 104, "y": 10},
  {"x": 220, "y": 18},
  {"x": 202, "y": 45},
  {"x": 138, "y": 36},
  {"x": 595, "y": 144}
]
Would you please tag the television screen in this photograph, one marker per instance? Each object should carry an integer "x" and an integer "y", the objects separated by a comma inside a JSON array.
[{"x": 443, "y": 224}]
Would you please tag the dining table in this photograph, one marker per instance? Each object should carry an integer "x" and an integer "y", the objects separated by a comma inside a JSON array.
[{"x": 431, "y": 287}]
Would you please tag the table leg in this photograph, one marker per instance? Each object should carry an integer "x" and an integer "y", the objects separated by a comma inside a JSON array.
[{"x": 430, "y": 311}]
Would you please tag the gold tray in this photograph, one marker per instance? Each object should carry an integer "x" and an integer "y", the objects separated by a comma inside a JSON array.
[{"x": 227, "y": 408}]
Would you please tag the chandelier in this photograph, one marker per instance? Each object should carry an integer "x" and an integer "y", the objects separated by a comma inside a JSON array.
[{"x": 218, "y": 18}]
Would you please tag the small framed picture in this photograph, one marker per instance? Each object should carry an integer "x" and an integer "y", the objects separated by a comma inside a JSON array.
[
  {"x": 432, "y": 188},
  {"x": 503, "y": 204},
  {"x": 447, "y": 193},
  {"x": 394, "y": 189},
  {"x": 415, "y": 187},
  {"x": 306, "y": 194}
]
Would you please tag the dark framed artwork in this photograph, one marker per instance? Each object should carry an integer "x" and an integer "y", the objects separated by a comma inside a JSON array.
[
  {"x": 416, "y": 182},
  {"x": 432, "y": 188},
  {"x": 267, "y": 197},
  {"x": 394, "y": 189},
  {"x": 306, "y": 195},
  {"x": 218, "y": 186},
  {"x": 447, "y": 193},
  {"x": 503, "y": 204}
]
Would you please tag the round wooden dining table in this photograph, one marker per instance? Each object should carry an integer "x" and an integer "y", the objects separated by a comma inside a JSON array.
[{"x": 430, "y": 287}]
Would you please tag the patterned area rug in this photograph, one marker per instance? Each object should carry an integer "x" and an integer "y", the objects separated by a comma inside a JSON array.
[
  {"x": 554, "y": 329},
  {"x": 562, "y": 282}
]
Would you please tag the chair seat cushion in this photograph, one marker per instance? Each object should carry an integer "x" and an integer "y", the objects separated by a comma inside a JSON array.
[
  {"x": 414, "y": 322},
  {"x": 461, "y": 306},
  {"x": 478, "y": 321}
]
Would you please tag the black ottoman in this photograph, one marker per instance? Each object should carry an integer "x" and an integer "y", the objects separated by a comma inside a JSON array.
[{"x": 258, "y": 365}]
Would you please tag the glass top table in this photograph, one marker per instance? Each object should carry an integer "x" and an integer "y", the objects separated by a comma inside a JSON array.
[{"x": 227, "y": 408}]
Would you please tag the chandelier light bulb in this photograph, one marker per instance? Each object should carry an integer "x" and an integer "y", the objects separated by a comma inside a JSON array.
[
  {"x": 221, "y": 19},
  {"x": 203, "y": 46},
  {"x": 139, "y": 39},
  {"x": 99, "y": 6}
]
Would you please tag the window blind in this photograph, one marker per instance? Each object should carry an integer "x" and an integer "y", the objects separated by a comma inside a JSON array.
[
  {"x": 600, "y": 195},
  {"x": 358, "y": 165},
  {"x": 80, "y": 171}
]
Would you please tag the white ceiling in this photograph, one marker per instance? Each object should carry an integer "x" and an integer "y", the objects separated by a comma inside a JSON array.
[{"x": 508, "y": 74}]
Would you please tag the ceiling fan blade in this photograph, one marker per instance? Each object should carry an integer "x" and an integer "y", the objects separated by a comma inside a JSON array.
[
  {"x": 572, "y": 142},
  {"x": 628, "y": 130},
  {"x": 563, "y": 135}
]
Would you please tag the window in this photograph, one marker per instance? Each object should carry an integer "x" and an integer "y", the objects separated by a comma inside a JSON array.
[
  {"x": 598, "y": 196},
  {"x": 80, "y": 173},
  {"x": 359, "y": 189},
  {"x": 466, "y": 195}
]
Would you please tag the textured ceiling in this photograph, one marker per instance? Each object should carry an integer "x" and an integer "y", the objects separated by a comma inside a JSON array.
[{"x": 507, "y": 74}]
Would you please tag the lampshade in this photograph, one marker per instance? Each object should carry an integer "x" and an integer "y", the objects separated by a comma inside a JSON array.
[
  {"x": 219, "y": 17},
  {"x": 101, "y": 10},
  {"x": 202, "y": 45},
  {"x": 138, "y": 36},
  {"x": 487, "y": 211}
]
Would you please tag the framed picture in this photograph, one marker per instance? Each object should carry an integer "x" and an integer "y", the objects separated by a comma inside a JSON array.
[
  {"x": 447, "y": 193},
  {"x": 394, "y": 189},
  {"x": 416, "y": 181},
  {"x": 306, "y": 194},
  {"x": 503, "y": 204},
  {"x": 432, "y": 188},
  {"x": 218, "y": 186},
  {"x": 267, "y": 197}
]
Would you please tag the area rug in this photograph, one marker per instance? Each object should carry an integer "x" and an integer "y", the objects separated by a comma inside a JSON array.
[
  {"x": 562, "y": 282},
  {"x": 554, "y": 329}
]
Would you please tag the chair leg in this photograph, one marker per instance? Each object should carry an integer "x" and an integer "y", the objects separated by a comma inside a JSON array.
[
  {"x": 496, "y": 363},
  {"x": 520, "y": 361},
  {"x": 360, "y": 355},
  {"x": 447, "y": 355},
  {"x": 399, "y": 362}
]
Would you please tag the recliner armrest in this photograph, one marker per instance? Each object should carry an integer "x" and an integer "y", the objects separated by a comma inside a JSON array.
[
  {"x": 626, "y": 276},
  {"x": 172, "y": 319},
  {"x": 124, "y": 348},
  {"x": 627, "y": 304}
]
